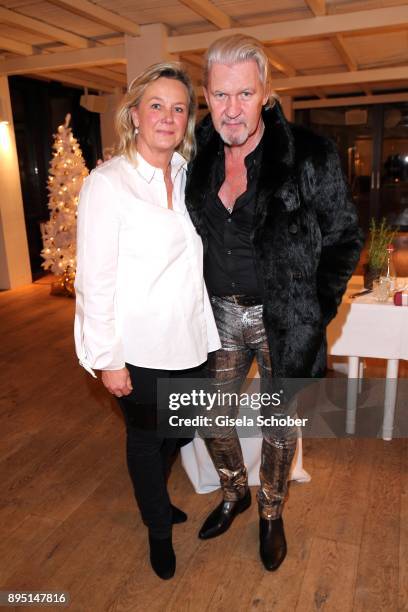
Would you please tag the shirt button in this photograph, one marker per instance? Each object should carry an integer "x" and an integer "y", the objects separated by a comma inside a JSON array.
[
  {"x": 229, "y": 252},
  {"x": 293, "y": 228},
  {"x": 229, "y": 220},
  {"x": 233, "y": 284}
]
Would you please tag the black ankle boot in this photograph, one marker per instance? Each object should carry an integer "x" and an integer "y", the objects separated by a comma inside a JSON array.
[
  {"x": 272, "y": 543},
  {"x": 178, "y": 515},
  {"x": 162, "y": 557},
  {"x": 221, "y": 518}
]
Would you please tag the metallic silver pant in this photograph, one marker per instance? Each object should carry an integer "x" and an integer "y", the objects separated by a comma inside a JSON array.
[{"x": 243, "y": 336}]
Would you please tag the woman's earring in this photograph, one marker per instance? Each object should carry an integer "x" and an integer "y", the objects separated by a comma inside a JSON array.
[{"x": 136, "y": 130}]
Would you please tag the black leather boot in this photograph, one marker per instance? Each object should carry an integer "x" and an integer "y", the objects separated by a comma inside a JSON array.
[
  {"x": 221, "y": 518},
  {"x": 178, "y": 515},
  {"x": 272, "y": 543},
  {"x": 162, "y": 557}
]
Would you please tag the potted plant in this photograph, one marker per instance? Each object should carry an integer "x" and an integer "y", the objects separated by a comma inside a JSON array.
[{"x": 381, "y": 235}]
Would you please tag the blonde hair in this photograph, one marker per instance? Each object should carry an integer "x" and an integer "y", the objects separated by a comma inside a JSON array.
[
  {"x": 125, "y": 128},
  {"x": 236, "y": 49}
]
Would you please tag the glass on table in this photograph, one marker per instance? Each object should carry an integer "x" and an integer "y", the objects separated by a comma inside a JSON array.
[{"x": 381, "y": 289}]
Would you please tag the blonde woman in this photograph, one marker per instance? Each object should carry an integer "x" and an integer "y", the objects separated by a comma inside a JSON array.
[{"x": 142, "y": 308}]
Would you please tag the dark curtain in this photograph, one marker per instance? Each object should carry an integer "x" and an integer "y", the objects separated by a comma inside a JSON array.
[{"x": 39, "y": 108}]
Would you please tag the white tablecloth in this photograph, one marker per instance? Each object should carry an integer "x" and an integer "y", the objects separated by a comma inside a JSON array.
[
  {"x": 200, "y": 469},
  {"x": 367, "y": 328}
]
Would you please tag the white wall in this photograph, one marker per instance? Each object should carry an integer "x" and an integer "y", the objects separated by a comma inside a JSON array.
[
  {"x": 14, "y": 257},
  {"x": 107, "y": 119}
]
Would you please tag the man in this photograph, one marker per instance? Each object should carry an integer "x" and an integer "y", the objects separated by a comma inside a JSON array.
[{"x": 281, "y": 239}]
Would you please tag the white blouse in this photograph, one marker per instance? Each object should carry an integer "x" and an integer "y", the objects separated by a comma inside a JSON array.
[{"x": 140, "y": 293}]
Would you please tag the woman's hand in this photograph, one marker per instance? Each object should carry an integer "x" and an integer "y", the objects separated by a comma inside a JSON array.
[{"x": 117, "y": 382}]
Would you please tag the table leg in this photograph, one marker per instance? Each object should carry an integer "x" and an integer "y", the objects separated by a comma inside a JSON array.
[
  {"x": 391, "y": 387},
  {"x": 360, "y": 376},
  {"x": 352, "y": 390}
]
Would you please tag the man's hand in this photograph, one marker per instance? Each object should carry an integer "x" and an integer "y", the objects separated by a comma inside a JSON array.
[{"x": 117, "y": 382}]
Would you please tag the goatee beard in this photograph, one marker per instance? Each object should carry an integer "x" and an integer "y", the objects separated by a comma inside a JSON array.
[{"x": 234, "y": 140}]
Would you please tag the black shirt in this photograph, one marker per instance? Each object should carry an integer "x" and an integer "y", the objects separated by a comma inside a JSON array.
[{"x": 230, "y": 260}]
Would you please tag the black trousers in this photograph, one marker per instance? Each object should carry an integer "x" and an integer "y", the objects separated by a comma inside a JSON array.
[{"x": 148, "y": 455}]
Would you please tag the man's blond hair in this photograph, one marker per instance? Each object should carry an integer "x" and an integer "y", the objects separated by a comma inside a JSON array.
[{"x": 236, "y": 49}]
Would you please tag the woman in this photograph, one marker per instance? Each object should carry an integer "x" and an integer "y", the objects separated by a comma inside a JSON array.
[{"x": 142, "y": 308}]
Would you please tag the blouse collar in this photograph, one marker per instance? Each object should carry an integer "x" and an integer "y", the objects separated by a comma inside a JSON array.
[{"x": 149, "y": 172}]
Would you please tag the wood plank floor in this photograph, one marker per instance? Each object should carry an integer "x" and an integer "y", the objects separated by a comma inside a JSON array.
[{"x": 68, "y": 520}]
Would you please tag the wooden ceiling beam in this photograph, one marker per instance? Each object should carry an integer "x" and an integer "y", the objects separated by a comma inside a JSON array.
[
  {"x": 194, "y": 59},
  {"x": 117, "y": 68},
  {"x": 72, "y": 79},
  {"x": 15, "y": 46},
  {"x": 318, "y": 7},
  {"x": 395, "y": 60},
  {"x": 94, "y": 12},
  {"x": 328, "y": 25},
  {"x": 40, "y": 27},
  {"x": 318, "y": 93},
  {"x": 280, "y": 64},
  {"x": 210, "y": 12},
  {"x": 358, "y": 77},
  {"x": 351, "y": 101},
  {"x": 80, "y": 58},
  {"x": 110, "y": 75},
  {"x": 345, "y": 53}
]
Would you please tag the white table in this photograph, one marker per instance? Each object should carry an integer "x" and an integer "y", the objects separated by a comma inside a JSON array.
[{"x": 364, "y": 327}]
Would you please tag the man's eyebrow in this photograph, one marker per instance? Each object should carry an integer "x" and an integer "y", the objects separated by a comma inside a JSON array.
[{"x": 249, "y": 88}]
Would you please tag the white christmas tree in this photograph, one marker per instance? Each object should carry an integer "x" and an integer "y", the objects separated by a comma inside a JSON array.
[{"x": 67, "y": 172}]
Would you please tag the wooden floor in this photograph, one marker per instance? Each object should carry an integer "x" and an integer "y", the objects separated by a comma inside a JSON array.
[{"x": 68, "y": 520}]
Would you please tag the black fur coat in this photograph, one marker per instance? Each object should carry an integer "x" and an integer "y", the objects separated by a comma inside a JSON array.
[{"x": 306, "y": 236}]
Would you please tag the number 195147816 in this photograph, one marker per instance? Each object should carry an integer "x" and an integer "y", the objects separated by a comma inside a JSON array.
[{"x": 34, "y": 598}]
